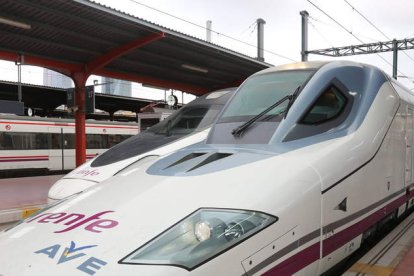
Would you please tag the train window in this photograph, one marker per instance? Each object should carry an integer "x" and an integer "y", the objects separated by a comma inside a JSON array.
[
  {"x": 145, "y": 123},
  {"x": 41, "y": 141},
  {"x": 114, "y": 139},
  {"x": 327, "y": 107},
  {"x": 6, "y": 141},
  {"x": 330, "y": 109},
  {"x": 261, "y": 91},
  {"x": 95, "y": 141},
  {"x": 17, "y": 141},
  {"x": 23, "y": 141},
  {"x": 55, "y": 141},
  {"x": 69, "y": 140},
  {"x": 99, "y": 141},
  {"x": 187, "y": 122}
]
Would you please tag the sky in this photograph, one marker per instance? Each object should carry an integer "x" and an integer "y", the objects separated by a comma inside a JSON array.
[
  {"x": 236, "y": 19},
  {"x": 234, "y": 27}
]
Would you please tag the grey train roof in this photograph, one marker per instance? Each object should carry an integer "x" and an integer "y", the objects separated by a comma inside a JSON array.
[{"x": 222, "y": 150}]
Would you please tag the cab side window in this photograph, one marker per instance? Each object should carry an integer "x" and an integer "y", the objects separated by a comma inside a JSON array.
[
  {"x": 328, "y": 106},
  {"x": 330, "y": 109}
]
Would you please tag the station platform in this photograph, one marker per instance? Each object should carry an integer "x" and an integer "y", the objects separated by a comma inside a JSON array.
[{"x": 20, "y": 197}]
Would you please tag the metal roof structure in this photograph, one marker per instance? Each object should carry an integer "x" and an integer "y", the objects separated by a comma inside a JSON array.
[
  {"x": 68, "y": 34},
  {"x": 79, "y": 38},
  {"x": 45, "y": 99}
]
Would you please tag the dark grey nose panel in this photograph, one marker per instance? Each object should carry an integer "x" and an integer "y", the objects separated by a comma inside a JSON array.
[
  {"x": 193, "y": 161},
  {"x": 190, "y": 162}
]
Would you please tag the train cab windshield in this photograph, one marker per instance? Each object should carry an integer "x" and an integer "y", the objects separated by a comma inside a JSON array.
[
  {"x": 195, "y": 117},
  {"x": 190, "y": 119},
  {"x": 256, "y": 95},
  {"x": 262, "y": 91}
]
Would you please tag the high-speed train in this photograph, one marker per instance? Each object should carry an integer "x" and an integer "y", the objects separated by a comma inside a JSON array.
[
  {"x": 302, "y": 166},
  {"x": 184, "y": 127}
]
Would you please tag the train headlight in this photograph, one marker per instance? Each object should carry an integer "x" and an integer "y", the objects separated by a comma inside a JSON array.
[
  {"x": 199, "y": 237},
  {"x": 202, "y": 231}
]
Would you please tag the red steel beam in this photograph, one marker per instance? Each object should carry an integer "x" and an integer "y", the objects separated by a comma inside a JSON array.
[
  {"x": 9, "y": 56},
  {"x": 65, "y": 68},
  {"x": 106, "y": 58},
  {"x": 196, "y": 90}
]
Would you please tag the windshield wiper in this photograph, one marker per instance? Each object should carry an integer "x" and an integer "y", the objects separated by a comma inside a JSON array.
[
  {"x": 239, "y": 130},
  {"x": 292, "y": 100}
]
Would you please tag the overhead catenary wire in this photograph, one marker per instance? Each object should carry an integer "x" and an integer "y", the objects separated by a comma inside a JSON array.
[
  {"x": 203, "y": 27},
  {"x": 254, "y": 28},
  {"x": 323, "y": 22},
  {"x": 254, "y": 25},
  {"x": 334, "y": 20},
  {"x": 317, "y": 21},
  {"x": 351, "y": 33},
  {"x": 375, "y": 27},
  {"x": 320, "y": 33},
  {"x": 366, "y": 19},
  {"x": 313, "y": 23}
]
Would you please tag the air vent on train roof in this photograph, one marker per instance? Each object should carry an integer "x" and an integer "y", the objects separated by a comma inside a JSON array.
[
  {"x": 214, "y": 157},
  {"x": 186, "y": 158},
  {"x": 196, "y": 160}
]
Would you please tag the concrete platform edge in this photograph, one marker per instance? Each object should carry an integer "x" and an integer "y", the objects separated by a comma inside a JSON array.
[{"x": 11, "y": 215}]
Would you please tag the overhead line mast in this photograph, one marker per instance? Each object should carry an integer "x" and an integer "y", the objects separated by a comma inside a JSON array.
[
  {"x": 367, "y": 48},
  {"x": 360, "y": 49}
]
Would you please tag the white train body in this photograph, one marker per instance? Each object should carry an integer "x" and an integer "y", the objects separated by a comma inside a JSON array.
[
  {"x": 30, "y": 143},
  {"x": 188, "y": 125},
  {"x": 86, "y": 176},
  {"x": 294, "y": 193}
]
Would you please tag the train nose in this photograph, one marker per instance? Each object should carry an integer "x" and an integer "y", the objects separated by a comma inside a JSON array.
[{"x": 67, "y": 187}]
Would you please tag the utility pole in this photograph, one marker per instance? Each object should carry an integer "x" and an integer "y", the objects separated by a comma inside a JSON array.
[
  {"x": 19, "y": 78},
  {"x": 260, "y": 39},
  {"x": 208, "y": 30},
  {"x": 304, "y": 51},
  {"x": 394, "y": 58}
]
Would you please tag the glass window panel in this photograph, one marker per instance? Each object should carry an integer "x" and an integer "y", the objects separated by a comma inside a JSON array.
[{"x": 328, "y": 106}]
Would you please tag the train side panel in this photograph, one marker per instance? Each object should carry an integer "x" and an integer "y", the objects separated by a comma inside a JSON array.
[
  {"x": 354, "y": 203},
  {"x": 39, "y": 145}
]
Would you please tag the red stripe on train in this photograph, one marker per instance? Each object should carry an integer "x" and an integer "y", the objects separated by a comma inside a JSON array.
[
  {"x": 23, "y": 160},
  {"x": 32, "y": 158},
  {"x": 27, "y": 156},
  {"x": 68, "y": 125}
]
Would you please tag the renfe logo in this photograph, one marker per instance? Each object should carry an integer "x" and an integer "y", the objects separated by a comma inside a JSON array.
[
  {"x": 87, "y": 173},
  {"x": 93, "y": 223}
]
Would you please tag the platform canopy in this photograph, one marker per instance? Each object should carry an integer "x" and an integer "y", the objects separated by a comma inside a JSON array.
[
  {"x": 44, "y": 100},
  {"x": 69, "y": 36},
  {"x": 79, "y": 38}
]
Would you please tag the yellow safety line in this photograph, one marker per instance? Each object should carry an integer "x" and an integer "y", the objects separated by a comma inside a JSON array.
[
  {"x": 376, "y": 270},
  {"x": 29, "y": 211}
]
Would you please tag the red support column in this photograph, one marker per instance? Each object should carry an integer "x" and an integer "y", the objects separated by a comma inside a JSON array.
[{"x": 80, "y": 116}]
